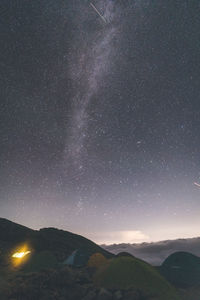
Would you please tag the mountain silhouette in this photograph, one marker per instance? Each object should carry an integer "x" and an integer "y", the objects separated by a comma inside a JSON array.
[{"x": 61, "y": 243}]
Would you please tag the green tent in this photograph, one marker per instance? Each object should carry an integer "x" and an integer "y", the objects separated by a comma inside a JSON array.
[
  {"x": 124, "y": 254},
  {"x": 182, "y": 269},
  {"x": 128, "y": 273},
  {"x": 78, "y": 258},
  {"x": 40, "y": 261}
]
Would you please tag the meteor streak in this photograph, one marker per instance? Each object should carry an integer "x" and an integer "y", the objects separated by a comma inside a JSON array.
[
  {"x": 197, "y": 184},
  {"x": 102, "y": 17}
]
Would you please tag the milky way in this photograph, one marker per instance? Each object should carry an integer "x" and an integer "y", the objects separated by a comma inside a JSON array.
[
  {"x": 100, "y": 120},
  {"x": 88, "y": 66}
]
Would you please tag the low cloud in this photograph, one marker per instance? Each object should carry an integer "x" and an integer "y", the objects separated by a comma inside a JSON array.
[
  {"x": 156, "y": 253},
  {"x": 123, "y": 236}
]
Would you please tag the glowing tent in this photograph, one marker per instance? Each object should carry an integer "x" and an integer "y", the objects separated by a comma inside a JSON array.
[{"x": 21, "y": 255}]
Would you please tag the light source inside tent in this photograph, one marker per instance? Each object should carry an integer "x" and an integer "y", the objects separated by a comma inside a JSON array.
[{"x": 20, "y": 254}]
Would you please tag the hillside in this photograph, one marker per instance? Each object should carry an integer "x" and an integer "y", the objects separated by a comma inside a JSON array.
[{"x": 61, "y": 243}]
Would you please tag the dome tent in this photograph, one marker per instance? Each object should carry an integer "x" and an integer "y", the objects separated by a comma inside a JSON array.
[
  {"x": 131, "y": 273},
  {"x": 181, "y": 269},
  {"x": 96, "y": 260},
  {"x": 124, "y": 254},
  {"x": 40, "y": 261},
  {"x": 78, "y": 258}
]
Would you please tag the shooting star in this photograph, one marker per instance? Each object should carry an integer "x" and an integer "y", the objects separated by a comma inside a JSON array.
[
  {"x": 197, "y": 184},
  {"x": 102, "y": 17}
]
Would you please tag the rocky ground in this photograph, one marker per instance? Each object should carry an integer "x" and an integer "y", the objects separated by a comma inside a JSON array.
[{"x": 62, "y": 284}]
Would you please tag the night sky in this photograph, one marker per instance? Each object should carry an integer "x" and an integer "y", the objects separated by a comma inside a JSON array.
[{"x": 100, "y": 117}]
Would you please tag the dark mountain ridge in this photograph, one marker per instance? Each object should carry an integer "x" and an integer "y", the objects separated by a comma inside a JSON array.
[{"x": 61, "y": 243}]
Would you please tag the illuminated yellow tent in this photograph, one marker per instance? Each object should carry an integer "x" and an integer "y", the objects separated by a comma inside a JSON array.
[
  {"x": 31, "y": 261},
  {"x": 21, "y": 255}
]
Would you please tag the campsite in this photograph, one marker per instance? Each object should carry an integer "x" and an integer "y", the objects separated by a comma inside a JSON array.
[{"x": 85, "y": 271}]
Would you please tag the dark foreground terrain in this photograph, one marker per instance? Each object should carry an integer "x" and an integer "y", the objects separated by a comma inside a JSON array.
[
  {"x": 42, "y": 274},
  {"x": 68, "y": 284}
]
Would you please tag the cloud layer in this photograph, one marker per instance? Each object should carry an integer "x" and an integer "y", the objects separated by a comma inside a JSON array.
[
  {"x": 155, "y": 253},
  {"x": 121, "y": 236}
]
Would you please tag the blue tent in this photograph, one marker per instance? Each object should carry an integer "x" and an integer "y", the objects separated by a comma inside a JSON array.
[{"x": 78, "y": 258}]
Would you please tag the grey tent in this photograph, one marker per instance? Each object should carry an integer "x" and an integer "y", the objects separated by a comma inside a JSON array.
[{"x": 78, "y": 258}]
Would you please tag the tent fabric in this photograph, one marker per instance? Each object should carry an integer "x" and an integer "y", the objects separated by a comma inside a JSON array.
[
  {"x": 96, "y": 260},
  {"x": 78, "y": 258},
  {"x": 40, "y": 261},
  {"x": 182, "y": 269},
  {"x": 70, "y": 259}
]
